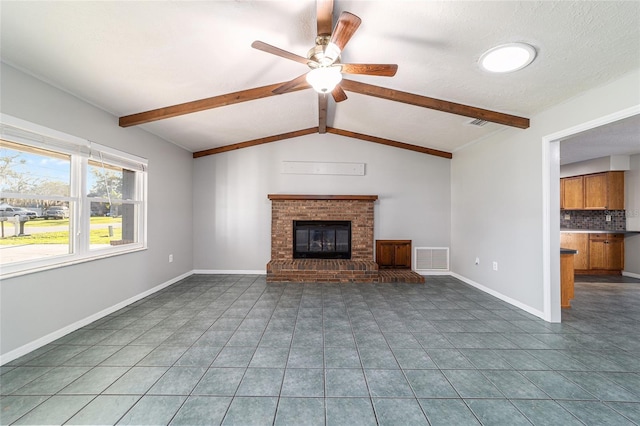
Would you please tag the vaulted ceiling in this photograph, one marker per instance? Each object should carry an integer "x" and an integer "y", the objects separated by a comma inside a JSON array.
[{"x": 135, "y": 56}]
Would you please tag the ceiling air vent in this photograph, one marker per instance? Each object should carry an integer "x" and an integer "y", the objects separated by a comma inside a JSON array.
[{"x": 477, "y": 122}]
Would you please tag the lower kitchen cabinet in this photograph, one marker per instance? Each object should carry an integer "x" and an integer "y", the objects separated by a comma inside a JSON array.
[
  {"x": 597, "y": 253},
  {"x": 606, "y": 252}
]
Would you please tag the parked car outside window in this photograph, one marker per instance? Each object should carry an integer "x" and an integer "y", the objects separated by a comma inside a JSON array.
[
  {"x": 57, "y": 212},
  {"x": 9, "y": 211}
]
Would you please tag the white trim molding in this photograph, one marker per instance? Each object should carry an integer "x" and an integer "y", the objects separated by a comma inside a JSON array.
[{"x": 45, "y": 340}]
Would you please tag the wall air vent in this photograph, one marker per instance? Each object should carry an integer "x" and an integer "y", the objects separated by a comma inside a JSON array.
[
  {"x": 477, "y": 122},
  {"x": 431, "y": 259}
]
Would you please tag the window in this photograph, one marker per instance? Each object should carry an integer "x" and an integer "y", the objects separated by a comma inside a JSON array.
[{"x": 64, "y": 200}]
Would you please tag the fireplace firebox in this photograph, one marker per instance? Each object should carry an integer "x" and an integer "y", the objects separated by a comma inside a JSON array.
[{"x": 321, "y": 239}]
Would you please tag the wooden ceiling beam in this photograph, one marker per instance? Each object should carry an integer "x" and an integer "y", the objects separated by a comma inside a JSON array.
[
  {"x": 435, "y": 104},
  {"x": 255, "y": 142},
  {"x": 323, "y": 104},
  {"x": 390, "y": 142},
  {"x": 333, "y": 130},
  {"x": 204, "y": 104}
]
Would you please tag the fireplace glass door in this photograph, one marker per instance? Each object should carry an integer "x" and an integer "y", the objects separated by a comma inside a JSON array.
[{"x": 321, "y": 239}]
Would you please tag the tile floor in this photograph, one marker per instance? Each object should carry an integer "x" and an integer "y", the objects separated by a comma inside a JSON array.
[{"x": 233, "y": 350}]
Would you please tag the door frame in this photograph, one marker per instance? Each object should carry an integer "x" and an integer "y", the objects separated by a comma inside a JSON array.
[{"x": 551, "y": 207}]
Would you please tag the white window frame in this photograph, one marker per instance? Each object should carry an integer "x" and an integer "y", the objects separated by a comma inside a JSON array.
[{"x": 81, "y": 151}]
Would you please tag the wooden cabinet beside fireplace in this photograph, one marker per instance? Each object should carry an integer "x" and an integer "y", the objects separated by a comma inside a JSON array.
[{"x": 393, "y": 254}]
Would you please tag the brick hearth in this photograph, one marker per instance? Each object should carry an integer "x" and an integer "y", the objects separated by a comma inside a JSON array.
[{"x": 356, "y": 208}]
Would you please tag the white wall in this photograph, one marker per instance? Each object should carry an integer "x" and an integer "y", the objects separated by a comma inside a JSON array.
[
  {"x": 597, "y": 165},
  {"x": 498, "y": 190},
  {"x": 632, "y": 204},
  {"x": 36, "y": 306},
  {"x": 232, "y": 215}
]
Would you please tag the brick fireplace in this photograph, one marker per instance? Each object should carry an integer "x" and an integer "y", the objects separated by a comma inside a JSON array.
[{"x": 357, "y": 209}]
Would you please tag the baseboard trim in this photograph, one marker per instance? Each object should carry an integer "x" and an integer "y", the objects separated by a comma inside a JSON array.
[
  {"x": 501, "y": 296},
  {"x": 45, "y": 340},
  {"x": 229, "y": 272},
  {"x": 630, "y": 274}
]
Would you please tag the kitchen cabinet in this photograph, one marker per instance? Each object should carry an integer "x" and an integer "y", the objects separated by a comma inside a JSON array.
[
  {"x": 604, "y": 191},
  {"x": 572, "y": 193},
  {"x": 598, "y": 191},
  {"x": 606, "y": 252},
  {"x": 579, "y": 242},
  {"x": 393, "y": 254}
]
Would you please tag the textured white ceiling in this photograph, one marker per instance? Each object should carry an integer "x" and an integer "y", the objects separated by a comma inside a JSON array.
[{"x": 129, "y": 57}]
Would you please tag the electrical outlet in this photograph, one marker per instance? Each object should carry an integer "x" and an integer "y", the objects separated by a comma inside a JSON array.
[
  {"x": 495, "y": 266},
  {"x": 477, "y": 260},
  {"x": 567, "y": 216},
  {"x": 170, "y": 258},
  {"x": 608, "y": 218}
]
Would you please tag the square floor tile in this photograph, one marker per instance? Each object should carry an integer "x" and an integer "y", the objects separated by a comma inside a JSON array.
[
  {"x": 236, "y": 356},
  {"x": 388, "y": 383},
  {"x": 341, "y": 357},
  {"x": 349, "y": 411},
  {"x": 445, "y": 412},
  {"x": 303, "y": 382},
  {"x": 153, "y": 410},
  {"x": 104, "y": 409},
  {"x": 514, "y": 385},
  {"x": 395, "y": 411},
  {"x": 497, "y": 412},
  {"x": 556, "y": 385},
  {"x": 430, "y": 384},
  {"x": 306, "y": 357},
  {"x": 346, "y": 382},
  {"x": 55, "y": 410},
  {"x": 52, "y": 381},
  {"x": 137, "y": 381},
  {"x": 248, "y": 411},
  {"x": 220, "y": 382},
  {"x": 545, "y": 412},
  {"x": 300, "y": 411},
  {"x": 14, "y": 407},
  {"x": 595, "y": 413},
  {"x": 198, "y": 356},
  {"x": 95, "y": 380},
  {"x": 261, "y": 382},
  {"x": 178, "y": 381},
  {"x": 202, "y": 410}
]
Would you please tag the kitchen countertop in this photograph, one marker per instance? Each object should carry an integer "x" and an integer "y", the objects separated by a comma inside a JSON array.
[{"x": 596, "y": 231}]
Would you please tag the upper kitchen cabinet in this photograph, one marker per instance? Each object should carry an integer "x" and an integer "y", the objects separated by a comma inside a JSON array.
[
  {"x": 604, "y": 191},
  {"x": 599, "y": 191},
  {"x": 572, "y": 193}
]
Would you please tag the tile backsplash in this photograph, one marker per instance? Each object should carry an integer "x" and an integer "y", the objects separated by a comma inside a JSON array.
[{"x": 593, "y": 219}]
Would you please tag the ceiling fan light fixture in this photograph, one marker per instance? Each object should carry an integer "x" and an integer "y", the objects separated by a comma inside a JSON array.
[
  {"x": 324, "y": 79},
  {"x": 507, "y": 57}
]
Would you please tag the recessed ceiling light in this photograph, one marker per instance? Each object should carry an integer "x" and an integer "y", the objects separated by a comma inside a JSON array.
[{"x": 507, "y": 57}]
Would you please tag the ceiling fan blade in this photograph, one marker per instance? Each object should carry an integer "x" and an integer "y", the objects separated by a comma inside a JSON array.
[
  {"x": 435, "y": 104},
  {"x": 284, "y": 88},
  {"x": 338, "y": 94},
  {"x": 202, "y": 105},
  {"x": 260, "y": 45},
  {"x": 323, "y": 103},
  {"x": 382, "y": 70},
  {"x": 324, "y": 15},
  {"x": 346, "y": 26}
]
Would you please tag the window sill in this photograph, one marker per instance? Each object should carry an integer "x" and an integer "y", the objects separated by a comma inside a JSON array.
[{"x": 25, "y": 268}]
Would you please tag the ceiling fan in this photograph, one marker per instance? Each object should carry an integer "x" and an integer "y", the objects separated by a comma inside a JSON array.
[
  {"x": 324, "y": 57},
  {"x": 324, "y": 62}
]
